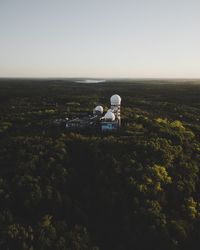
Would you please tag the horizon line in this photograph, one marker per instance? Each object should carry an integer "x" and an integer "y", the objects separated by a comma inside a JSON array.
[{"x": 99, "y": 78}]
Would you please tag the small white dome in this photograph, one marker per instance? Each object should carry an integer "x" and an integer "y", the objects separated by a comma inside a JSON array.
[
  {"x": 110, "y": 110},
  {"x": 109, "y": 116},
  {"x": 99, "y": 108},
  {"x": 115, "y": 100}
]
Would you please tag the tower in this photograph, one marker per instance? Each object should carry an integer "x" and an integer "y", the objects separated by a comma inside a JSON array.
[{"x": 115, "y": 101}]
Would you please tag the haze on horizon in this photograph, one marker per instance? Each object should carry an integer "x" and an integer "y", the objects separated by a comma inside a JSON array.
[{"x": 100, "y": 38}]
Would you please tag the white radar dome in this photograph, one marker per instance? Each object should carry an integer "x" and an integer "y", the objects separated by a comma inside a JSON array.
[
  {"x": 109, "y": 116},
  {"x": 99, "y": 109},
  {"x": 110, "y": 110},
  {"x": 115, "y": 100}
]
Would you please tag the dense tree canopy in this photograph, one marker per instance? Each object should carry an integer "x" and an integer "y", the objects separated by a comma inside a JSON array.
[{"x": 137, "y": 188}]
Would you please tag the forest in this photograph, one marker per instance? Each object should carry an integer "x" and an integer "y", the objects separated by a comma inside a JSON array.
[{"x": 134, "y": 189}]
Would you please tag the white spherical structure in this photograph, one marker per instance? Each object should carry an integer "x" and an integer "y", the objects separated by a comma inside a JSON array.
[
  {"x": 99, "y": 109},
  {"x": 115, "y": 100},
  {"x": 110, "y": 110},
  {"x": 109, "y": 116}
]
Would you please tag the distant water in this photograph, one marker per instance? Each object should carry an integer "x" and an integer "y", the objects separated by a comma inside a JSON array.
[{"x": 90, "y": 81}]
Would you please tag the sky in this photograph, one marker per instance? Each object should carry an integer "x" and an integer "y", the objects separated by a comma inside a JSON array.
[{"x": 100, "y": 38}]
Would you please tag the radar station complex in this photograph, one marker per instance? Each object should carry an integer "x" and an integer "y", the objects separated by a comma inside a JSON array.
[{"x": 106, "y": 121}]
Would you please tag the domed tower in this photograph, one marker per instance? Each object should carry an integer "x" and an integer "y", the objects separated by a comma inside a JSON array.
[{"x": 115, "y": 101}]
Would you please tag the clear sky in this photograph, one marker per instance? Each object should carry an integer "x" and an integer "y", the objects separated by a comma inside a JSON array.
[{"x": 100, "y": 38}]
